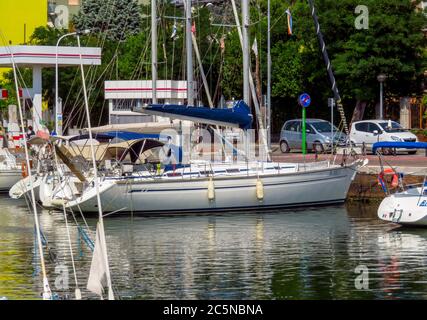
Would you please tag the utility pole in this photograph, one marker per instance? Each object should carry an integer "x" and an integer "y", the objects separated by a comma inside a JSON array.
[
  {"x": 269, "y": 75},
  {"x": 381, "y": 78}
]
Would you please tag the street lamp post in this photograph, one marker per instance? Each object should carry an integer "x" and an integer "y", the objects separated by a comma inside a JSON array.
[
  {"x": 381, "y": 78},
  {"x": 57, "y": 76}
]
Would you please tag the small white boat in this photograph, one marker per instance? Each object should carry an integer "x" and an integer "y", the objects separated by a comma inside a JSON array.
[
  {"x": 10, "y": 172},
  {"x": 407, "y": 207}
]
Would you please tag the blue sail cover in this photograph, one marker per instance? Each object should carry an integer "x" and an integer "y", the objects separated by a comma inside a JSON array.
[
  {"x": 127, "y": 135},
  {"x": 399, "y": 145},
  {"x": 122, "y": 135},
  {"x": 239, "y": 116}
]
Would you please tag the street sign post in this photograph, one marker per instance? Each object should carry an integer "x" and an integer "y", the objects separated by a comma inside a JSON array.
[
  {"x": 331, "y": 104},
  {"x": 304, "y": 101}
]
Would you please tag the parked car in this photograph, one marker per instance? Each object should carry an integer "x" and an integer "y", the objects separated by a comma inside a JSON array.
[
  {"x": 319, "y": 135},
  {"x": 368, "y": 132}
]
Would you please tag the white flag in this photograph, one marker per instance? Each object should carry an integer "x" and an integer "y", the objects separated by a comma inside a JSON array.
[
  {"x": 98, "y": 275},
  {"x": 255, "y": 47},
  {"x": 174, "y": 32}
]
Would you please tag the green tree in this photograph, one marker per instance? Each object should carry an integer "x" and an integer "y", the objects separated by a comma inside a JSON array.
[
  {"x": 117, "y": 19},
  {"x": 393, "y": 45}
]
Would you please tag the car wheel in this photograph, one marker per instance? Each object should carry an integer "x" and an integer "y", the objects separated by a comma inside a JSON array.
[
  {"x": 318, "y": 147},
  {"x": 412, "y": 152},
  {"x": 284, "y": 147}
]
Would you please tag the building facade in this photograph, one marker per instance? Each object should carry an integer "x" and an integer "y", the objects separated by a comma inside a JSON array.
[{"x": 18, "y": 19}]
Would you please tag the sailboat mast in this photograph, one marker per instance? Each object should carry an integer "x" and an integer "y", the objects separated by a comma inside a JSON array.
[
  {"x": 95, "y": 174},
  {"x": 154, "y": 49},
  {"x": 269, "y": 75},
  {"x": 189, "y": 48},
  {"x": 263, "y": 138},
  {"x": 47, "y": 294},
  {"x": 246, "y": 52}
]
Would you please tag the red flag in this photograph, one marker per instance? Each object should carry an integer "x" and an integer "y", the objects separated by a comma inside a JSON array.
[{"x": 4, "y": 94}]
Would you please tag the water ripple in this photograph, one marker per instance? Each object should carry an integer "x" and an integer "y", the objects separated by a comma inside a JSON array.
[{"x": 290, "y": 254}]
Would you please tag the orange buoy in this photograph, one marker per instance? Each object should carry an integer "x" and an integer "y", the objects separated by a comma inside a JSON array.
[
  {"x": 395, "y": 181},
  {"x": 389, "y": 171}
]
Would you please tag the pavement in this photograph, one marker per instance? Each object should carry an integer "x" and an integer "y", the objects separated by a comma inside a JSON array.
[{"x": 408, "y": 164}]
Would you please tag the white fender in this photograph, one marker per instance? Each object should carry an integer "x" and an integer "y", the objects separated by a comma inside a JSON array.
[
  {"x": 259, "y": 190},
  {"x": 211, "y": 190},
  {"x": 58, "y": 202}
]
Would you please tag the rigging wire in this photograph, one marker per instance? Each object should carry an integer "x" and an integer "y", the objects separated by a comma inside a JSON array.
[{"x": 47, "y": 294}]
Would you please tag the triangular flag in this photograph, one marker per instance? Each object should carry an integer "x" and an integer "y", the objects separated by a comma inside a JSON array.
[
  {"x": 98, "y": 275},
  {"x": 255, "y": 47}
]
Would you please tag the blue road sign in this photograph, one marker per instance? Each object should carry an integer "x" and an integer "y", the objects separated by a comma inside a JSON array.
[{"x": 304, "y": 100}]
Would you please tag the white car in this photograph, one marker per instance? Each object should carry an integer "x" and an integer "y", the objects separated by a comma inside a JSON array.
[{"x": 368, "y": 132}]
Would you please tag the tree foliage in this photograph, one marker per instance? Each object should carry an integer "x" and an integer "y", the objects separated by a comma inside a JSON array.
[
  {"x": 118, "y": 19},
  {"x": 394, "y": 44}
]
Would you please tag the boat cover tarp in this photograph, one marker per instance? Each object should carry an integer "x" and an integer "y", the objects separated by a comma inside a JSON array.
[
  {"x": 122, "y": 135},
  {"x": 399, "y": 145},
  {"x": 239, "y": 116},
  {"x": 127, "y": 135}
]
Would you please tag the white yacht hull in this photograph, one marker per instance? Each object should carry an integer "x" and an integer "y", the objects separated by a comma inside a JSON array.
[
  {"x": 8, "y": 178},
  {"x": 315, "y": 187},
  {"x": 408, "y": 208}
]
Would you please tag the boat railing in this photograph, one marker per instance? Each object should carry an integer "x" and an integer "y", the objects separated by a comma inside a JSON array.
[
  {"x": 414, "y": 185},
  {"x": 313, "y": 166}
]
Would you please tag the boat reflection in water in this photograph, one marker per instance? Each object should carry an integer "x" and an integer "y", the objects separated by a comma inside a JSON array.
[{"x": 270, "y": 255}]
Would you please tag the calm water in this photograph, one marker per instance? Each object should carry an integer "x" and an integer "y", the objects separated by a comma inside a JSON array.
[{"x": 295, "y": 254}]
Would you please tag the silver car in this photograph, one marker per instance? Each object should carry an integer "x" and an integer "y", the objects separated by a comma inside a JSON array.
[{"x": 319, "y": 135}]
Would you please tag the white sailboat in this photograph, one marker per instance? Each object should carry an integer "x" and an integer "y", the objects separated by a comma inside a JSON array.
[
  {"x": 220, "y": 187},
  {"x": 210, "y": 186}
]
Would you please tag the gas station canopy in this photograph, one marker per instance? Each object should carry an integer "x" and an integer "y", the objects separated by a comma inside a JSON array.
[
  {"x": 39, "y": 57},
  {"x": 45, "y": 56}
]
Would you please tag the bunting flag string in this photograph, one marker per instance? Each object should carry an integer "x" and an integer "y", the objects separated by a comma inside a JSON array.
[{"x": 290, "y": 22}]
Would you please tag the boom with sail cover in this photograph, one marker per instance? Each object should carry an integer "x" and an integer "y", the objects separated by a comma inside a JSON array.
[
  {"x": 239, "y": 116},
  {"x": 398, "y": 145}
]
